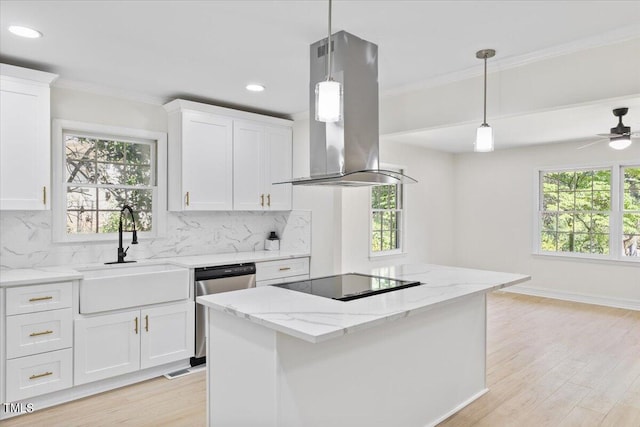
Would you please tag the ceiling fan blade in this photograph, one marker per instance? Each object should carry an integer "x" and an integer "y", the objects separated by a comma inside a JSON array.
[
  {"x": 590, "y": 144},
  {"x": 612, "y": 135}
]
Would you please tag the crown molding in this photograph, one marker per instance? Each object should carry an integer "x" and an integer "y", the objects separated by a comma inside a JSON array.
[{"x": 619, "y": 35}]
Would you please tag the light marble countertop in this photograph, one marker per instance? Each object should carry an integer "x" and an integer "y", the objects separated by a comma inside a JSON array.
[
  {"x": 315, "y": 319},
  {"x": 32, "y": 276}
]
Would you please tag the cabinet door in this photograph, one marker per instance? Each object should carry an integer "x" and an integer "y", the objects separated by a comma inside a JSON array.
[
  {"x": 167, "y": 334},
  {"x": 278, "y": 168},
  {"x": 248, "y": 154},
  {"x": 106, "y": 346},
  {"x": 24, "y": 146},
  {"x": 207, "y": 162}
]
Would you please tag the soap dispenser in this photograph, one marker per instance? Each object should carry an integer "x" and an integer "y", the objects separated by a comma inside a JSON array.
[{"x": 272, "y": 243}]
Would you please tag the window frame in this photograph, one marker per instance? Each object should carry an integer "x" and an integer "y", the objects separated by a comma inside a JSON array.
[
  {"x": 402, "y": 219},
  {"x": 59, "y": 187},
  {"x": 615, "y": 213}
]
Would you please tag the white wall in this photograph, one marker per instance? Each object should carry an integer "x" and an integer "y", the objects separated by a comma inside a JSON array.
[
  {"x": 428, "y": 208},
  {"x": 494, "y": 219}
]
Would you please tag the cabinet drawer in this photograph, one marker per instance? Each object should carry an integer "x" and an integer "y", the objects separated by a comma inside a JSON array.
[
  {"x": 34, "y": 375},
  {"x": 34, "y": 333},
  {"x": 31, "y": 299},
  {"x": 282, "y": 268},
  {"x": 283, "y": 280}
]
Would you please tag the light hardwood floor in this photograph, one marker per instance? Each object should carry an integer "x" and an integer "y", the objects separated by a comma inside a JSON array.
[{"x": 550, "y": 363}]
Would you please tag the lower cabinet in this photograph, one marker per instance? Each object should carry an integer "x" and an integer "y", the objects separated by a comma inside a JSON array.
[
  {"x": 116, "y": 344},
  {"x": 38, "y": 374}
]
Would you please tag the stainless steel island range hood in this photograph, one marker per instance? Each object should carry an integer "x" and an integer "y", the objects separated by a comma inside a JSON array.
[{"x": 345, "y": 153}]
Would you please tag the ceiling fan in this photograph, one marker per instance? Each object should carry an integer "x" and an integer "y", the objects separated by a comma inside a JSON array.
[{"x": 620, "y": 136}]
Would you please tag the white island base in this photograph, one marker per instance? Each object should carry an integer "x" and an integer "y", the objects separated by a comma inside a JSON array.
[{"x": 411, "y": 371}]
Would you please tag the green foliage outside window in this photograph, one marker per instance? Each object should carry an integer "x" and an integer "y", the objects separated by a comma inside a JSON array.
[
  {"x": 576, "y": 210},
  {"x": 386, "y": 217},
  {"x": 631, "y": 211},
  {"x": 102, "y": 175}
]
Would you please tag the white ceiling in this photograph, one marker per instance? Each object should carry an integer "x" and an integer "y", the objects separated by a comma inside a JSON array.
[{"x": 209, "y": 50}]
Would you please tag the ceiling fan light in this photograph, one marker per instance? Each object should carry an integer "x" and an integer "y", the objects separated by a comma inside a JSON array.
[
  {"x": 484, "y": 139},
  {"x": 328, "y": 101},
  {"x": 620, "y": 143}
]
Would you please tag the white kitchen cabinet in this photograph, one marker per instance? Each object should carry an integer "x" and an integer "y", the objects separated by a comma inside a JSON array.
[
  {"x": 167, "y": 334},
  {"x": 116, "y": 344},
  {"x": 35, "y": 351},
  {"x": 200, "y": 161},
  {"x": 225, "y": 159},
  {"x": 106, "y": 346},
  {"x": 25, "y": 138},
  {"x": 281, "y": 271},
  {"x": 38, "y": 374},
  {"x": 261, "y": 156}
]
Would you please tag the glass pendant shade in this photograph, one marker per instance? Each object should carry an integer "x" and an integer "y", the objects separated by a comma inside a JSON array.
[
  {"x": 328, "y": 101},
  {"x": 620, "y": 143},
  {"x": 484, "y": 139}
]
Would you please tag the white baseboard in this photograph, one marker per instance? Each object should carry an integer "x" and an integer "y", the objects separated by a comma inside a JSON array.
[
  {"x": 575, "y": 297},
  {"x": 458, "y": 408}
]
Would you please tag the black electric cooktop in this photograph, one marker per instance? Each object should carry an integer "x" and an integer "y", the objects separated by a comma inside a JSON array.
[{"x": 346, "y": 287}]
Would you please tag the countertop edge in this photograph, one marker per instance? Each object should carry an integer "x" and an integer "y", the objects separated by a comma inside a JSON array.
[
  {"x": 341, "y": 331},
  {"x": 38, "y": 275}
]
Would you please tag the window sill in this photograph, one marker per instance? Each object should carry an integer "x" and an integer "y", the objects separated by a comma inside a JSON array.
[
  {"x": 586, "y": 258},
  {"x": 387, "y": 255}
]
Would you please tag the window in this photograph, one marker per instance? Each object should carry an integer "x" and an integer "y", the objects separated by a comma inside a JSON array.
[
  {"x": 631, "y": 211},
  {"x": 591, "y": 212},
  {"x": 386, "y": 218},
  {"x": 101, "y": 170}
]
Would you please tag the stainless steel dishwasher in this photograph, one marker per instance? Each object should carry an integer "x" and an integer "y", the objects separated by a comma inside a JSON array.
[{"x": 213, "y": 280}]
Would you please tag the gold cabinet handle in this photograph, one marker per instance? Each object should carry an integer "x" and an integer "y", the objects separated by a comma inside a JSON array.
[
  {"x": 269, "y": 200},
  {"x": 39, "y": 299},
  {"x": 262, "y": 200},
  {"x": 285, "y": 268},
  {"x": 46, "y": 374},
  {"x": 187, "y": 198},
  {"x": 35, "y": 334},
  {"x": 146, "y": 323},
  {"x": 136, "y": 329},
  {"x": 44, "y": 195}
]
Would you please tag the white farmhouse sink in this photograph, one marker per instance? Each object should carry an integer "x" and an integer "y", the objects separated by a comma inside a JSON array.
[{"x": 113, "y": 287}]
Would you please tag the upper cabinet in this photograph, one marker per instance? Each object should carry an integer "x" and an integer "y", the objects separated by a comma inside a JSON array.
[
  {"x": 25, "y": 138},
  {"x": 200, "y": 161},
  {"x": 224, "y": 159},
  {"x": 261, "y": 157}
]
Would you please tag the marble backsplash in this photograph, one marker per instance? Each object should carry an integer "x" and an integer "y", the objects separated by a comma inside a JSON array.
[{"x": 26, "y": 237}]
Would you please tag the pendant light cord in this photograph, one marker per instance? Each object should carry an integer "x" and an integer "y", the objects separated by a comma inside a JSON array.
[
  {"x": 484, "y": 122},
  {"x": 329, "y": 46}
]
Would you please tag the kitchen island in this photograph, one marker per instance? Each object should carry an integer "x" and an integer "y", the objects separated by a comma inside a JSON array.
[{"x": 411, "y": 357}]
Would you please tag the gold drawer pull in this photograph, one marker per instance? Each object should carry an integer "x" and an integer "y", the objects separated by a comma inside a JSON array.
[
  {"x": 262, "y": 200},
  {"x": 35, "y": 334},
  {"x": 44, "y": 195},
  {"x": 46, "y": 374},
  {"x": 285, "y": 268},
  {"x": 136, "y": 325},
  {"x": 187, "y": 198},
  {"x": 146, "y": 322},
  {"x": 39, "y": 299},
  {"x": 269, "y": 200}
]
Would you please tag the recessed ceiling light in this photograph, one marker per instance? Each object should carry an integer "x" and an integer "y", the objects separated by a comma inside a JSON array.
[
  {"x": 27, "y": 32},
  {"x": 255, "y": 87}
]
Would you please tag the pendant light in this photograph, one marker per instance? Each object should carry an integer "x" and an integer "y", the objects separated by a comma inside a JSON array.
[
  {"x": 484, "y": 136},
  {"x": 329, "y": 92}
]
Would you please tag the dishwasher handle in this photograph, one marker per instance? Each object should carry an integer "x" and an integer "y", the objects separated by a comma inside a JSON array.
[{"x": 222, "y": 271}]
